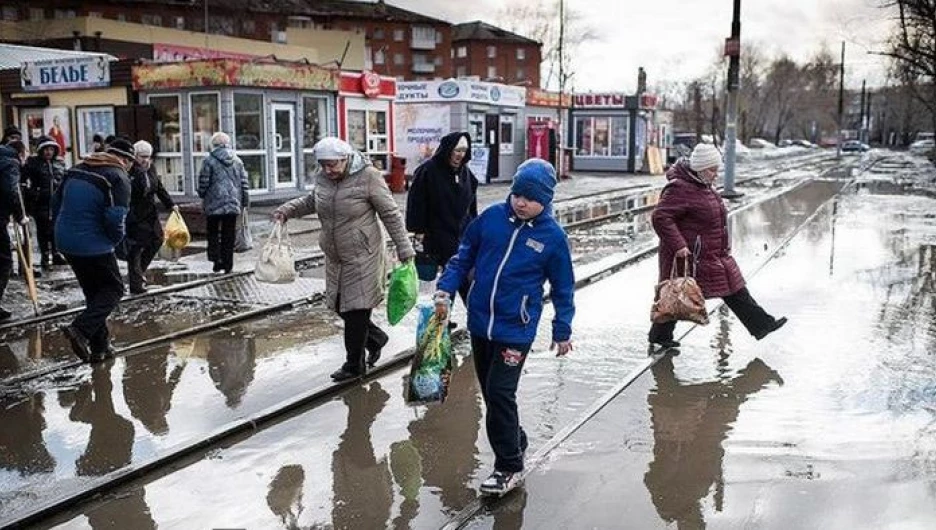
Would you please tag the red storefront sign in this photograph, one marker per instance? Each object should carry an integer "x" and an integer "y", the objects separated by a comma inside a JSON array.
[
  {"x": 536, "y": 97},
  {"x": 368, "y": 84},
  {"x": 599, "y": 100}
]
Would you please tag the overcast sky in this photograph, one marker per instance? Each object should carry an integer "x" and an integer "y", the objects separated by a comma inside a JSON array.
[{"x": 677, "y": 39}]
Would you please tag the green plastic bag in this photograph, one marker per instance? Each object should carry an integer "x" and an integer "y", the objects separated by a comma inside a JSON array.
[{"x": 404, "y": 287}]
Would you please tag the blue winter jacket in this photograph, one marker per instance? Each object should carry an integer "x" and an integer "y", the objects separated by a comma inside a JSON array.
[
  {"x": 512, "y": 259},
  {"x": 90, "y": 207}
]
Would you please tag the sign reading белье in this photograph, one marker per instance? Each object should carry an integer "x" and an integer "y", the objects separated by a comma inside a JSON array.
[{"x": 65, "y": 73}]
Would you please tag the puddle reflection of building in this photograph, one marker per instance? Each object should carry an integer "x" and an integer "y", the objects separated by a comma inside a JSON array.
[
  {"x": 690, "y": 422},
  {"x": 232, "y": 361},
  {"x": 285, "y": 495},
  {"x": 148, "y": 388},
  {"x": 363, "y": 488},
  {"x": 22, "y": 447}
]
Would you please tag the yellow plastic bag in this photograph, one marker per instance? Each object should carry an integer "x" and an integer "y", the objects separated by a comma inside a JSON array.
[{"x": 177, "y": 234}]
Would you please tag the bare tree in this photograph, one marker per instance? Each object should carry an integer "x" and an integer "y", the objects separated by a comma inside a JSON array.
[
  {"x": 540, "y": 21},
  {"x": 782, "y": 89},
  {"x": 912, "y": 47}
]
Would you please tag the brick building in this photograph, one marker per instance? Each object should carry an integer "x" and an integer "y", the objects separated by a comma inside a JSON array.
[
  {"x": 494, "y": 54},
  {"x": 397, "y": 42}
]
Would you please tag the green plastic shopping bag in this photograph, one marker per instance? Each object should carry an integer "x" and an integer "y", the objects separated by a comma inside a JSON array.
[{"x": 404, "y": 287}]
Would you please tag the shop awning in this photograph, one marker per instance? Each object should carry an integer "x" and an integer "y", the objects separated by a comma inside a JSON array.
[{"x": 13, "y": 56}]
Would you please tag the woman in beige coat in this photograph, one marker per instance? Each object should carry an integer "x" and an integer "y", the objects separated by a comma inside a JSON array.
[{"x": 348, "y": 195}]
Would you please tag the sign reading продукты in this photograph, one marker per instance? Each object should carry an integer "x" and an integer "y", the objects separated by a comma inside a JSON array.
[{"x": 65, "y": 73}]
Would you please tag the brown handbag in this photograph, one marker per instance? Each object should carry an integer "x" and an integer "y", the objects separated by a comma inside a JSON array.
[{"x": 679, "y": 298}]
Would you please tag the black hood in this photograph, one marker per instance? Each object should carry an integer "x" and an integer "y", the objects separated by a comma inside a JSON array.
[{"x": 447, "y": 145}]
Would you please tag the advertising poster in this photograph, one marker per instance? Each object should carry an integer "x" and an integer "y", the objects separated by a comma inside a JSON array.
[
  {"x": 418, "y": 131},
  {"x": 91, "y": 121},
  {"x": 57, "y": 125},
  {"x": 479, "y": 163}
]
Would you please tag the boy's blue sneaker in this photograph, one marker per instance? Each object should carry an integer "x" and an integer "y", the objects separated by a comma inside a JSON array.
[{"x": 499, "y": 483}]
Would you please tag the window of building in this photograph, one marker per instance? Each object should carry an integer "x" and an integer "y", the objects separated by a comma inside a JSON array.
[
  {"x": 438, "y": 37},
  {"x": 36, "y": 13},
  {"x": 521, "y": 74},
  {"x": 521, "y": 54},
  {"x": 314, "y": 128},
  {"x": 398, "y": 35},
  {"x": 250, "y": 137},
  {"x": 248, "y": 26},
  {"x": 438, "y": 60},
  {"x": 150, "y": 19},
  {"x": 379, "y": 57},
  {"x": 121, "y": 17},
  {"x": 168, "y": 160},
  {"x": 604, "y": 136},
  {"x": 462, "y": 51},
  {"x": 95, "y": 14},
  {"x": 491, "y": 52},
  {"x": 222, "y": 25},
  {"x": 378, "y": 33},
  {"x": 491, "y": 72},
  {"x": 506, "y": 135},
  {"x": 461, "y": 71},
  {"x": 60, "y": 14},
  {"x": 368, "y": 133},
  {"x": 205, "y": 116},
  {"x": 180, "y": 23},
  {"x": 398, "y": 59},
  {"x": 10, "y": 13},
  {"x": 299, "y": 22}
]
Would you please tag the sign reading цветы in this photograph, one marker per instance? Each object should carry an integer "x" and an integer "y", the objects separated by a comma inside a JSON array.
[{"x": 65, "y": 73}]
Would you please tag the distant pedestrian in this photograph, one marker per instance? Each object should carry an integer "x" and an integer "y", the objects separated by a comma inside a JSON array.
[
  {"x": 692, "y": 221},
  {"x": 514, "y": 247},
  {"x": 223, "y": 187},
  {"x": 90, "y": 209},
  {"x": 12, "y": 155},
  {"x": 442, "y": 200},
  {"x": 42, "y": 175},
  {"x": 144, "y": 231},
  {"x": 11, "y": 134},
  {"x": 349, "y": 196}
]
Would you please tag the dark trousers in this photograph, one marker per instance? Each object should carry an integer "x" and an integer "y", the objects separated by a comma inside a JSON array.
[
  {"x": 139, "y": 257},
  {"x": 498, "y": 367},
  {"x": 360, "y": 335},
  {"x": 742, "y": 304},
  {"x": 221, "y": 236},
  {"x": 100, "y": 281},
  {"x": 6, "y": 260},
  {"x": 45, "y": 235}
]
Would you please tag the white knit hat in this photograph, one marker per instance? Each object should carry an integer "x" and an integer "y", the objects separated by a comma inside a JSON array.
[
  {"x": 332, "y": 148},
  {"x": 143, "y": 148},
  {"x": 704, "y": 156}
]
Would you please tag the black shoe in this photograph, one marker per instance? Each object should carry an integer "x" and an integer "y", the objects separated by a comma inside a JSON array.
[
  {"x": 499, "y": 483},
  {"x": 37, "y": 273},
  {"x": 79, "y": 343},
  {"x": 374, "y": 355},
  {"x": 452, "y": 325},
  {"x": 5, "y": 315},
  {"x": 344, "y": 375},
  {"x": 58, "y": 259},
  {"x": 138, "y": 289},
  {"x": 108, "y": 353},
  {"x": 217, "y": 267},
  {"x": 665, "y": 344},
  {"x": 777, "y": 324},
  {"x": 45, "y": 262}
]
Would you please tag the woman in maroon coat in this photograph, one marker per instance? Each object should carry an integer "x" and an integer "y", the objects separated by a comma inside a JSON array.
[{"x": 691, "y": 220}]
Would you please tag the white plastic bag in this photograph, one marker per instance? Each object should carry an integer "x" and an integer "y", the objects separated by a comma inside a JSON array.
[
  {"x": 276, "y": 263},
  {"x": 244, "y": 240}
]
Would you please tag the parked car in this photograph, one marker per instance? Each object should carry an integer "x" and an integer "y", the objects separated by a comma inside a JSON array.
[
  {"x": 760, "y": 143},
  {"x": 921, "y": 147},
  {"x": 786, "y": 143},
  {"x": 854, "y": 146},
  {"x": 804, "y": 143}
]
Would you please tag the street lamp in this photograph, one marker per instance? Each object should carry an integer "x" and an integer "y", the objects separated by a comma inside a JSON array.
[{"x": 733, "y": 51}]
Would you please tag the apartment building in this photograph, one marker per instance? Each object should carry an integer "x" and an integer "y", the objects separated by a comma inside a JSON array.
[{"x": 494, "y": 54}]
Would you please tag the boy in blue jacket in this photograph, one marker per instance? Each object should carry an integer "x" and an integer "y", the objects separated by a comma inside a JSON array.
[{"x": 513, "y": 247}]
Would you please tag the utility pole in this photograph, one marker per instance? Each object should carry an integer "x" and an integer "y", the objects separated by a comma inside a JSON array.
[
  {"x": 560, "y": 133},
  {"x": 733, "y": 51},
  {"x": 841, "y": 104},
  {"x": 861, "y": 120}
]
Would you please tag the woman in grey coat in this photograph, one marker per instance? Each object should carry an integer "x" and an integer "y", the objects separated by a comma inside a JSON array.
[
  {"x": 222, "y": 186},
  {"x": 349, "y": 195}
]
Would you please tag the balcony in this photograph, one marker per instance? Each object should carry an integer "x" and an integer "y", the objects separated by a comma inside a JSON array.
[
  {"x": 422, "y": 44},
  {"x": 424, "y": 68}
]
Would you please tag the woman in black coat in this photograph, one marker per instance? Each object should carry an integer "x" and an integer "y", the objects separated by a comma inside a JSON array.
[
  {"x": 41, "y": 176},
  {"x": 144, "y": 231}
]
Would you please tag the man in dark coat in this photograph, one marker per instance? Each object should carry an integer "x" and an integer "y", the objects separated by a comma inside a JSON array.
[
  {"x": 442, "y": 201},
  {"x": 10, "y": 206},
  {"x": 11, "y": 134},
  {"x": 90, "y": 210},
  {"x": 42, "y": 175},
  {"x": 144, "y": 232},
  {"x": 692, "y": 222}
]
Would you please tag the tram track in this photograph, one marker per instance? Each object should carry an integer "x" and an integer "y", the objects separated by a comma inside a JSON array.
[{"x": 300, "y": 404}]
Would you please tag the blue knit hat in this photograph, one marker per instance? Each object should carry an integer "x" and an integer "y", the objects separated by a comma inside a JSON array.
[{"x": 535, "y": 179}]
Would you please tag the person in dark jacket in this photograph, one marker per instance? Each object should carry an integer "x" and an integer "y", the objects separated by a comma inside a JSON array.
[
  {"x": 223, "y": 188},
  {"x": 42, "y": 175},
  {"x": 442, "y": 201},
  {"x": 514, "y": 248},
  {"x": 90, "y": 209},
  {"x": 10, "y": 134},
  {"x": 144, "y": 232},
  {"x": 692, "y": 222},
  {"x": 11, "y": 160}
]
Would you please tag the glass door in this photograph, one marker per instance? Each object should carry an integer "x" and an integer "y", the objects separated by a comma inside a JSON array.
[{"x": 284, "y": 141}]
